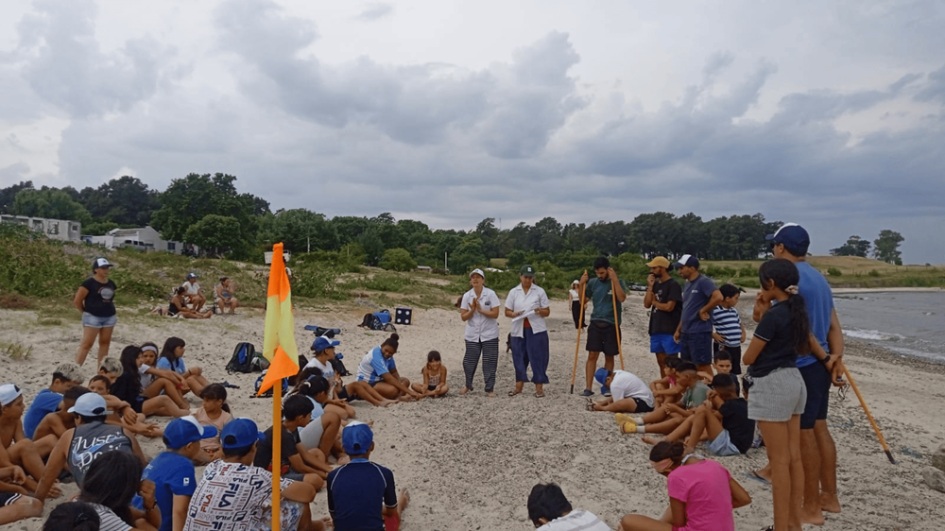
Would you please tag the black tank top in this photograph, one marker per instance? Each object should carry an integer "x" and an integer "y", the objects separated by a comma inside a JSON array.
[{"x": 91, "y": 441}]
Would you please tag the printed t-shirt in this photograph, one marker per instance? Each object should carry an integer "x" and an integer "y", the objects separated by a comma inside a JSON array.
[
  {"x": 173, "y": 475},
  {"x": 696, "y": 295},
  {"x": 599, "y": 292},
  {"x": 46, "y": 402},
  {"x": 373, "y": 365},
  {"x": 232, "y": 497},
  {"x": 628, "y": 385},
  {"x": 778, "y": 352},
  {"x": 666, "y": 322},
  {"x": 264, "y": 449},
  {"x": 100, "y": 300},
  {"x": 327, "y": 370},
  {"x": 576, "y": 521},
  {"x": 728, "y": 324},
  {"x": 479, "y": 327},
  {"x": 695, "y": 395},
  {"x": 740, "y": 428},
  {"x": 819, "y": 299},
  {"x": 519, "y": 301},
  {"x": 357, "y": 494},
  {"x": 91, "y": 441},
  {"x": 704, "y": 487},
  {"x": 108, "y": 520},
  {"x": 179, "y": 366}
]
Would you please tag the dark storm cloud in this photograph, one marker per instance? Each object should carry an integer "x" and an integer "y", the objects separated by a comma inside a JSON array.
[{"x": 375, "y": 11}]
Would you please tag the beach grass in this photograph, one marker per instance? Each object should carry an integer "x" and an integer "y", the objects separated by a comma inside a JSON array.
[{"x": 840, "y": 271}]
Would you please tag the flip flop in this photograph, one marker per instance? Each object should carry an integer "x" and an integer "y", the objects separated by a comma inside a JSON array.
[
  {"x": 539, "y": 394},
  {"x": 513, "y": 392},
  {"x": 754, "y": 476}
]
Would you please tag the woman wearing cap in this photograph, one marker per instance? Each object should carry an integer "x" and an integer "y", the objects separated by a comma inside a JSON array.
[
  {"x": 194, "y": 294},
  {"x": 480, "y": 311},
  {"x": 223, "y": 295},
  {"x": 96, "y": 300},
  {"x": 574, "y": 302},
  {"x": 527, "y": 305}
]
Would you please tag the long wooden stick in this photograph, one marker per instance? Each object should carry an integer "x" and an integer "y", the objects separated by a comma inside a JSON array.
[
  {"x": 613, "y": 296},
  {"x": 577, "y": 346},
  {"x": 869, "y": 415}
]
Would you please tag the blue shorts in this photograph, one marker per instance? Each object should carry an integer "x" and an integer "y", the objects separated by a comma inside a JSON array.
[
  {"x": 817, "y": 380},
  {"x": 696, "y": 347},
  {"x": 663, "y": 343},
  {"x": 91, "y": 321},
  {"x": 722, "y": 445}
]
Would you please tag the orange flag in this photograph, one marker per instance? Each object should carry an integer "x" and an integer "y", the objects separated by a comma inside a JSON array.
[{"x": 279, "y": 339}]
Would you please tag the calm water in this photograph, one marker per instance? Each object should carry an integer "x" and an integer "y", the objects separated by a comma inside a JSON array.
[{"x": 910, "y": 323}]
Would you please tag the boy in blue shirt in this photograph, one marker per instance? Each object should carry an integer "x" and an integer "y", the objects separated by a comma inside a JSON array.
[
  {"x": 173, "y": 470},
  {"x": 361, "y": 494}
]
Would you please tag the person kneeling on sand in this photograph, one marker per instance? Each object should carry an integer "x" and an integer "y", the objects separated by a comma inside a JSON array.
[
  {"x": 629, "y": 394},
  {"x": 378, "y": 369},
  {"x": 549, "y": 510},
  {"x": 361, "y": 494},
  {"x": 669, "y": 416}
]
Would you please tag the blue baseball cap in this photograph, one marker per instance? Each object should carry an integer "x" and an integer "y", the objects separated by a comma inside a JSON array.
[
  {"x": 185, "y": 430},
  {"x": 687, "y": 260},
  {"x": 239, "y": 433},
  {"x": 357, "y": 438},
  {"x": 601, "y": 376},
  {"x": 793, "y": 237},
  {"x": 322, "y": 342}
]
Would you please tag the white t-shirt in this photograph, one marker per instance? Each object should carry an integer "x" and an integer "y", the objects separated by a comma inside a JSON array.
[
  {"x": 479, "y": 327},
  {"x": 628, "y": 385},
  {"x": 576, "y": 521},
  {"x": 146, "y": 378},
  {"x": 519, "y": 301},
  {"x": 327, "y": 370},
  {"x": 575, "y": 296},
  {"x": 232, "y": 496},
  {"x": 192, "y": 289}
]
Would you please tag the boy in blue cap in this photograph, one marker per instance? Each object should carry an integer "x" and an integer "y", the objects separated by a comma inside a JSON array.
[
  {"x": 233, "y": 494},
  {"x": 629, "y": 394},
  {"x": 173, "y": 470},
  {"x": 361, "y": 494}
]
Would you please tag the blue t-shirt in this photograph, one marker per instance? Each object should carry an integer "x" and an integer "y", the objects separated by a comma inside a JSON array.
[
  {"x": 46, "y": 402},
  {"x": 179, "y": 366},
  {"x": 358, "y": 493},
  {"x": 173, "y": 475},
  {"x": 819, "y": 299},
  {"x": 696, "y": 295},
  {"x": 373, "y": 365}
]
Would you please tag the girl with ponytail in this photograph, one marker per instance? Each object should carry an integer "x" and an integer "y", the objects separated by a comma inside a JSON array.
[
  {"x": 778, "y": 393},
  {"x": 378, "y": 370},
  {"x": 702, "y": 493}
]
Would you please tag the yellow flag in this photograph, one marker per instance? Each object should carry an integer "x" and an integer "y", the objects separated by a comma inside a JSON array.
[{"x": 279, "y": 339}]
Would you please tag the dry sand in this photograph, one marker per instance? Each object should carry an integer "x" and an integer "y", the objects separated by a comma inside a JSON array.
[{"x": 470, "y": 462}]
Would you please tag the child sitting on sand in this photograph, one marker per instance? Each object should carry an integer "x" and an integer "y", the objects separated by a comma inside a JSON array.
[
  {"x": 57, "y": 422},
  {"x": 172, "y": 359},
  {"x": 297, "y": 461},
  {"x": 628, "y": 393},
  {"x": 214, "y": 412},
  {"x": 322, "y": 432},
  {"x": 64, "y": 377},
  {"x": 665, "y": 389},
  {"x": 722, "y": 365},
  {"x": 324, "y": 350},
  {"x": 670, "y": 415},
  {"x": 549, "y": 510},
  {"x": 722, "y": 420},
  {"x": 127, "y": 387},
  {"x": 155, "y": 381},
  {"x": 434, "y": 377},
  {"x": 100, "y": 385},
  {"x": 15, "y": 448}
]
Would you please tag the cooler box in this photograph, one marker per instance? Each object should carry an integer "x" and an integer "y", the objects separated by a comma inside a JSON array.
[{"x": 402, "y": 316}]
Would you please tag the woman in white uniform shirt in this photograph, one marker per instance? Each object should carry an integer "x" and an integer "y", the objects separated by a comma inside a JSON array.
[
  {"x": 480, "y": 310},
  {"x": 527, "y": 305}
]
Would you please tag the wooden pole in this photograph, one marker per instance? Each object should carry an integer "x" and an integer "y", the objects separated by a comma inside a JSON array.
[
  {"x": 577, "y": 347},
  {"x": 613, "y": 296},
  {"x": 869, "y": 415},
  {"x": 276, "y": 454}
]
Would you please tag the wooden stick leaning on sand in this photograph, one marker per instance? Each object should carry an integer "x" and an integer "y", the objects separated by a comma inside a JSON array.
[
  {"x": 613, "y": 296},
  {"x": 577, "y": 347},
  {"x": 869, "y": 415}
]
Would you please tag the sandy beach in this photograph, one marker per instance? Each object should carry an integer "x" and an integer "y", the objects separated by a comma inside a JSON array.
[{"x": 470, "y": 461}]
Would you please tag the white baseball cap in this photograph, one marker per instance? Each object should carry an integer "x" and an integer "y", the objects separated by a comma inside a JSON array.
[
  {"x": 477, "y": 271},
  {"x": 8, "y": 393},
  {"x": 90, "y": 405},
  {"x": 100, "y": 263}
]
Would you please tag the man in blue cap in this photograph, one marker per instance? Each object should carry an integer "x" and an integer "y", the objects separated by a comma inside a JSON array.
[
  {"x": 700, "y": 296},
  {"x": 172, "y": 471},
  {"x": 818, "y": 451},
  {"x": 361, "y": 494},
  {"x": 233, "y": 494}
]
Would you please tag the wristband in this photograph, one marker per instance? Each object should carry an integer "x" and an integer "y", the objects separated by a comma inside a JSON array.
[{"x": 825, "y": 360}]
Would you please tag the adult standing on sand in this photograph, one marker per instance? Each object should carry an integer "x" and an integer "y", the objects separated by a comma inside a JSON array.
[
  {"x": 527, "y": 305},
  {"x": 578, "y": 312},
  {"x": 603, "y": 290},
  {"x": 664, "y": 300},
  {"x": 818, "y": 451},
  {"x": 95, "y": 298},
  {"x": 700, "y": 296},
  {"x": 479, "y": 309}
]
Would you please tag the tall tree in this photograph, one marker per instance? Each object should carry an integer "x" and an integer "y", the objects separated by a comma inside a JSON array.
[
  {"x": 299, "y": 230},
  {"x": 886, "y": 247},
  {"x": 8, "y": 195},
  {"x": 215, "y": 235},
  {"x": 49, "y": 203},
  {"x": 855, "y": 246},
  {"x": 489, "y": 235}
]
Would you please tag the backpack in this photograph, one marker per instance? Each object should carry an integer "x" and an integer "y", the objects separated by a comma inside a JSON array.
[
  {"x": 242, "y": 359},
  {"x": 268, "y": 393},
  {"x": 338, "y": 366},
  {"x": 378, "y": 321}
]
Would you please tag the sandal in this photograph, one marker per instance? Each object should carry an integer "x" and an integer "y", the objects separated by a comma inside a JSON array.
[
  {"x": 539, "y": 394},
  {"x": 589, "y": 405},
  {"x": 514, "y": 392}
]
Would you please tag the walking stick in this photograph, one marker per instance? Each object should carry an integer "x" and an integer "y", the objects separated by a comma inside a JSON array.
[
  {"x": 613, "y": 296},
  {"x": 577, "y": 347},
  {"x": 869, "y": 415}
]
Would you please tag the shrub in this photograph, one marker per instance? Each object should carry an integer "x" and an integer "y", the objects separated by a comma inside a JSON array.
[
  {"x": 874, "y": 273},
  {"x": 834, "y": 272},
  {"x": 748, "y": 271},
  {"x": 398, "y": 260},
  {"x": 14, "y": 301},
  {"x": 719, "y": 272}
]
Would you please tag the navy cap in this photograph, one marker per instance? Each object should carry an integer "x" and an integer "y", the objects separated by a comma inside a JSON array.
[
  {"x": 357, "y": 438},
  {"x": 99, "y": 263},
  {"x": 185, "y": 430},
  {"x": 239, "y": 433},
  {"x": 793, "y": 237},
  {"x": 322, "y": 342},
  {"x": 687, "y": 260},
  {"x": 601, "y": 376}
]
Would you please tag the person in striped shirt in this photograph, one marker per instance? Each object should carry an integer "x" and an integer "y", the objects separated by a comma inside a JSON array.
[{"x": 729, "y": 332}]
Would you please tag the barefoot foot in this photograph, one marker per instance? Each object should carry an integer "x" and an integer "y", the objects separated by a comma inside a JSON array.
[
  {"x": 829, "y": 502},
  {"x": 650, "y": 440},
  {"x": 815, "y": 517},
  {"x": 465, "y": 390}
]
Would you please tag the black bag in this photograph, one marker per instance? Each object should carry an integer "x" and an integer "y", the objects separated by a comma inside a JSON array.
[
  {"x": 378, "y": 321},
  {"x": 242, "y": 359},
  {"x": 339, "y": 367}
]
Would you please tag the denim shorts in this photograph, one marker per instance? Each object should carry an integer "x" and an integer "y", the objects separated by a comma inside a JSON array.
[
  {"x": 722, "y": 445},
  {"x": 91, "y": 321}
]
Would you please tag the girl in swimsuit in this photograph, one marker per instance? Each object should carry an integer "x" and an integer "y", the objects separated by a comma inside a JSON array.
[{"x": 434, "y": 377}]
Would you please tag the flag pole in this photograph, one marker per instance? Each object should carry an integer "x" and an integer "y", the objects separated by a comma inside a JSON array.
[{"x": 276, "y": 455}]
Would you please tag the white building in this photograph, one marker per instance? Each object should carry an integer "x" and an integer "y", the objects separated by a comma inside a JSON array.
[
  {"x": 56, "y": 229},
  {"x": 142, "y": 239}
]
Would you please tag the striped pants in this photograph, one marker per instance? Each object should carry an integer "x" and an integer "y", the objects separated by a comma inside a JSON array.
[{"x": 489, "y": 350}]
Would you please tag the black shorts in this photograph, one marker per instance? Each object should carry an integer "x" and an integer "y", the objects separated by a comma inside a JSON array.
[
  {"x": 602, "y": 337},
  {"x": 817, "y": 379},
  {"x": 343, "y": 395},
  {"x": 431, "y": 387},
  {"x": 735, "y": 352},
  {"x": 642, "y": 406},
  {"x": 9, "y": 498}
]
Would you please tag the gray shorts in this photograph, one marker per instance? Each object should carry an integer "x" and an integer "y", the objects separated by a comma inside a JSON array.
[
  {"x": 91, "y": 321},
  {"x": 777, "y": 396}
]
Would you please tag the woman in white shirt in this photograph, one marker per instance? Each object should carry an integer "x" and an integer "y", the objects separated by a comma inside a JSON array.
[
  {"x": 480, "y": 311},
  {"x": 574, "y": 302},
  {"x": 527, "y": 305}
]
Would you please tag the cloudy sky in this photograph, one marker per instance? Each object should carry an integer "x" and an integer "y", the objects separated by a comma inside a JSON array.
[{"x": 830, "y": 114}]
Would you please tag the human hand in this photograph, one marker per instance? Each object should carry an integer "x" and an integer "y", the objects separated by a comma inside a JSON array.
[
  {"x": 837, "y": 372},
  {"x": 676, "y": 336},
  {"x": 584, "y": 277},
  {"x": 612, "y": 274},
  {"x": 17, "y": 476},
  {"x": 704, "y": 314},
  {"x": 129, "y": 416},
  {"x": 650, "y": 280},
  {"x": 146, "y": 491}
]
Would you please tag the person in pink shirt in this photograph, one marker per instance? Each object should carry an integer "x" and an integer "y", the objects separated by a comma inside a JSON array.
[{"x": 702, "y": 494}]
